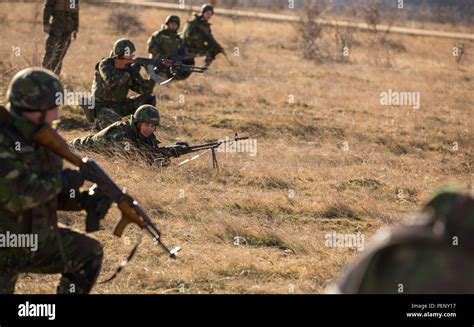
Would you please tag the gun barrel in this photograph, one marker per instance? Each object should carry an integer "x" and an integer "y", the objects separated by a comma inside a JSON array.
[{"x": 216, "y": 144}]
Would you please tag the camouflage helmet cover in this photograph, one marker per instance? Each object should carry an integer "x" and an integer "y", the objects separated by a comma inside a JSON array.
[
  {"x": 173, "y": 19},
  {"x": 147, "y": 114},
  {"x": 207, "y": 7},
  {"x": 35, "y": 89},
  {"x": 123, "y": 46}
]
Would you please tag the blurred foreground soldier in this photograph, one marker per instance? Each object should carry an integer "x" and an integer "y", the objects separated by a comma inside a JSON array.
[
  {"x": 33, "y": 186},
  {"x": 132, "y": 135},
  {"x": 166, "y": 43},
  {"x": 434, "y": 254},
  {"x": 61, "y": 23},
  {"x": 111, "y": 86},
  {"x": 198, "y": 38}
]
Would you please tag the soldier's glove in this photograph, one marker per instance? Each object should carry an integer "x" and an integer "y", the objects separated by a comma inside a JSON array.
[
  {"x": 97, "y": 204},
  {"x": 177, "y": 150},
  {"x": 71, "y": 180}
]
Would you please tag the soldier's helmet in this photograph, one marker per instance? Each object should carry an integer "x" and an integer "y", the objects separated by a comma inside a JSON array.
[
  {"x": 207, "y": 7},
  {"x": 173, "y": 19},
  {"x": 35, "y": 89},
  {"x": 123, "y": 47},
  {"x": 432, "y": 253},
  {"x": 147, "y": 114}
]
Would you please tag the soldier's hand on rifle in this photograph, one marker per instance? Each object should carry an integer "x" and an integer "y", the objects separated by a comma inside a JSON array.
[
  {"x": 96, "y": 203},
  {"x": 71, "y": 179},
  {"x": 182, "y": 144},
  {"x": 134, "y": 70},
  {"x": 174, "y": 151}
]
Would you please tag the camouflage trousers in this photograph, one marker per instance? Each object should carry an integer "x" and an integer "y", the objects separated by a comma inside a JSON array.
[
  {"x": 208, "y": 52},
  {"x": 110, "y": 112},
  {"x": 57, "y": 44},
  {"x": 84, "y": 260}
]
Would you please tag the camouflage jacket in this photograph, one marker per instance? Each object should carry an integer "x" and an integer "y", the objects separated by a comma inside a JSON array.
[
  {"x": 197, "y": 35},
  {"x": 164, "y": 44},
  {"x": 123, "y": 136},
  {"x": 62, "y": 15},
  {"x": 112, "y": 85},
  {"x": 30, "y": 181}
]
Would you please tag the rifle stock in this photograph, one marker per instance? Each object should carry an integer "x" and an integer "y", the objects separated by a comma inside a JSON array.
[{"x": 131, "y": 211}]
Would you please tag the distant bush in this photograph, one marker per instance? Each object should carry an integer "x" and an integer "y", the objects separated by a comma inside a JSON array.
[{"x": 125, "y": 22}]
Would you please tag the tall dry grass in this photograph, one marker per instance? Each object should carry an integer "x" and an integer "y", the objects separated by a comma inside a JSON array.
[{"x": 330, "y": 157}]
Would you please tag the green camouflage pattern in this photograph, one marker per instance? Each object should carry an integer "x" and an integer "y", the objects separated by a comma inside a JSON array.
[
  {"x": 122, "y": 47},
  {"x": 84, "y": 259},
  {"x": 123, "y": 137},
  {"x": 173, "y": 19},
  {"x": 31, "y": 192},
  {"x": 112, "y": 85},
  {"x": 207, "y": 7},
  {"x": 165, "y": 44},
  {"x": 198, "y": 39},
  {"x": 34, "y": 89},
  {"x": 110, "y": 89},
  {"x": 147, "y": 114},
  {"x": 431, "y": 255},
  {"x": 62, "y": 17}
]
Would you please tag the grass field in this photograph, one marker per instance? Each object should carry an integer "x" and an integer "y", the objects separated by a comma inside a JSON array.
[{"x": 330, "y": 157}]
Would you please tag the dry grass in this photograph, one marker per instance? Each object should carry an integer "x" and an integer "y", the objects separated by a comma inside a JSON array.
[{"x": 333, "y": 160}]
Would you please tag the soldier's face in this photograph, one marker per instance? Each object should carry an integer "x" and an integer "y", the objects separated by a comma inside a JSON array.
[
  {"x": 35, "y": 117},
  {"x": 129, "y": 55},
  {"x": 208, "y": 15},
  {"x": 173, "y": 26},
  {"x": 146, "y": 129}
]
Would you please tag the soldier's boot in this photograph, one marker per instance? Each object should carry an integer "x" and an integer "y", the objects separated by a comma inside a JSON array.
[{"x": 8, "y": 282}]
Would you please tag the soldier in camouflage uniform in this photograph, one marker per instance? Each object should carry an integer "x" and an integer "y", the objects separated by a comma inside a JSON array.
[
  {"x": 433, "y": 254},
  {"x": 197, "y": 36},
  {"x": 61, "y": 22},
  {"x": 166, "y": 43},
  {"x": 133, "y": 135},
  {"x": 33, "y": 186},
  {"x": 111, "y": 86}
]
